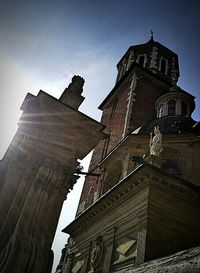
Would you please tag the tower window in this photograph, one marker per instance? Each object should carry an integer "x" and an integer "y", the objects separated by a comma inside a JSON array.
[
  {"x": 184, "y": 108},
  {"x": 172, "y": 108},
  {"x": 163, "y": 67},
  {"x": 141, "y": 61}
]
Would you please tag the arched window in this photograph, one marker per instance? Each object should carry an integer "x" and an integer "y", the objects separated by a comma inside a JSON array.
[
  {"x": 184, "y": 108},
  {"x": 171, "y": 168},
  {"x": 113, "y": 176},
  {"x": 163, "y": 66},
  {"x": 160, "y": 111},
  {"x": 172, "y": 108},
  {"x": 105, "y": 147},
  {"x": 141, "y": 60}
]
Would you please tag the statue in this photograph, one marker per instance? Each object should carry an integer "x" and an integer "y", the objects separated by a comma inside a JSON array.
[
  {"x": 155, "y": 143},
  {"x": 72, "y": 94},
  {"x": 77, "y": 84}
]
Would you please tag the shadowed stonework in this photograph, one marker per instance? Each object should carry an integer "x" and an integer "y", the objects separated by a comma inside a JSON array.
[{"x": 37, "y": 172}]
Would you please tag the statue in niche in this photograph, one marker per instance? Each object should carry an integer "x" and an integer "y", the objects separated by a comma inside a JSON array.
[{"x": 155, "y": 143}]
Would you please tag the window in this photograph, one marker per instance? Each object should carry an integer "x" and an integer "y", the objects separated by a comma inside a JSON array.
[
  {"x": 184, "y": 108},
  {"x": 172, "y": 108},
  {"x": 160, "y": 111},
  {"x": 163, "y": 65},
  {"x": 113, "y": 176},
  {"x": 141, "y": 60}
]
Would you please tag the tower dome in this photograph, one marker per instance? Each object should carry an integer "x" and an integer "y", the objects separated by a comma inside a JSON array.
[
  {"x": 176, "y": 102},
  {"x": 174, "y": 110}
]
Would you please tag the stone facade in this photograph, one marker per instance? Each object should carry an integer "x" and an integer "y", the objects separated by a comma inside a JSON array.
[{"x": 37, "y": 172}]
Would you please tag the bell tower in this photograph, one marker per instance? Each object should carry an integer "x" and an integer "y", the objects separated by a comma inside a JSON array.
[
  {"x": 145, "y": 72},
  {"x": 152, "y": 56}
]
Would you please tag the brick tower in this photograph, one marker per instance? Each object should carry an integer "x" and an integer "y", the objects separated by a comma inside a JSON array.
[{"x": 141, "y": 204}]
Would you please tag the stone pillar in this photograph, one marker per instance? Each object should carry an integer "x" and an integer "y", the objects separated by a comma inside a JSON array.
[
  {"x": 34, "y": 232},
  {"x": 17, "y": 183},
  {"x": 141, "y": 242}
]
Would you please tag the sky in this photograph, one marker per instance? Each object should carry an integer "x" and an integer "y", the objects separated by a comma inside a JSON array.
[{"x": 44, "y": 43}]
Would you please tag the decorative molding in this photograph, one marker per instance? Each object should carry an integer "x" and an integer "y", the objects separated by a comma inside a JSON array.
[
  {"x": 174, "y": 77},
  {"x": 130, "y": 100},
  {"x": 144, "y": 174},
  {"x": 153, "y": 59},
  {"x": 130, "y": 60}
]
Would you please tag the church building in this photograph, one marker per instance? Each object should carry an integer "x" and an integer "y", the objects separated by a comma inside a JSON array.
[{"x": 139, "y": 210}]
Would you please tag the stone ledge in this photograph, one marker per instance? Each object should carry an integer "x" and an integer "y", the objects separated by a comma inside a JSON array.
[{"x": 187, "y": 261}]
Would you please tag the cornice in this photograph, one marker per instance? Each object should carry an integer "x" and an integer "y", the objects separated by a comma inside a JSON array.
[{"x": 143, "y": 176}]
